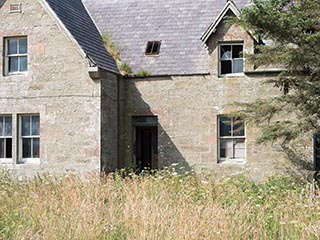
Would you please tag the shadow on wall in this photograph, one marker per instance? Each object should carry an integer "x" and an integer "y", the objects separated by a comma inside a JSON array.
[
  {"x": 169, "y": 155},
  {"x": 300, "y": 161}
]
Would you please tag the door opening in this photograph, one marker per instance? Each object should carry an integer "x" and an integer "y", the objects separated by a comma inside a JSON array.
[{"x": 146, "y": 143}]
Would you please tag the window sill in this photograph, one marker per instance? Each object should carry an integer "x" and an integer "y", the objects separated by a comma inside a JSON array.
[
  {"x": 242, "y": 74},
  {"x": 6, "y": 161},
  {"x": 29, "y": 161},
  {"x": 16, "y": 74},
  {"x": 232, "y": 161}
]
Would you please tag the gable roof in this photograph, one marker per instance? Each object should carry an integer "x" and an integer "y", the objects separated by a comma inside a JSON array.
[
  {"x": 230, "y": 6},
  {"x": 178, "y": 24},
  {"x": 74, "y": 16}
]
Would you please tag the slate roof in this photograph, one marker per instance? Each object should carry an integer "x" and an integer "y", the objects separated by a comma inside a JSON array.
[
  {"x": 179, "y": 24},
  {"x": 77, "y": 20}
]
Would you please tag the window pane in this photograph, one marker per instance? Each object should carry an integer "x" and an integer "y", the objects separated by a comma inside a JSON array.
[
  {"x": 156, "y": 47},
  {"x": 238, "y": 127},
  {"x": 13, "y": 64},
  {"x": 238, "y": 66},
  {"x": 23, "y": 64},
  {"x": 8, "y": 148},
  {"x": 12, "y": 46},
  {"x": 8, "y": 126},
  {"x": 149, "y": 47},
  {"x": 2, "y": 147},
  {"x": 225, "y": 52},
  {"x": 226, "y": 148},
  {"x": 226, "y": 67},
  {"x": 26, "y": 148},
  {"x": 237, "y": 51},
  {"x": 225, "y": 126},
  {"x": 23, "y": 46},
  {"x": 35, "y": 126},
  {"x": 239, "y": 148},
  {"x": 1, "y": 126},
  {"x": 36, "y": 147},
  {"x": 26, "y": 126}
]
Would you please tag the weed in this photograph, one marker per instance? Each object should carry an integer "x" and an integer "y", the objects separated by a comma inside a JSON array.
[
  {"x": 142, "y": 73},
  {"x": 111, "y": 47},
  {"x": 124, "y": 67},
  {"x": 160, "y": 205}
]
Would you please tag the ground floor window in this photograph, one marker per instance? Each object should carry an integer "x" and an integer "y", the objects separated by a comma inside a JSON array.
[
  {"x": 231, "y": 132},
  {"x": 29, "y": 138},
  {"x": 5, "y": 138}
]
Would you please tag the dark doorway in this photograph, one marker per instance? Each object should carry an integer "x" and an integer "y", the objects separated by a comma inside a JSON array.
[{"x": 146, "y": 142}]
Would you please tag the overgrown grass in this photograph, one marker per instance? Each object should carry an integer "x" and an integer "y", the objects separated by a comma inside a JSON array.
[{"x": 159, "y": 206}]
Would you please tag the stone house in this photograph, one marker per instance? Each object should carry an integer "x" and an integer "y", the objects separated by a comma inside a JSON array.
[
  {"x": 58, "y": 89},
  {"x": 65, "y": 106}
]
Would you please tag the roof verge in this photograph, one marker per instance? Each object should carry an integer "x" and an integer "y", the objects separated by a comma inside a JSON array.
[{"x": 230, "y": 6}]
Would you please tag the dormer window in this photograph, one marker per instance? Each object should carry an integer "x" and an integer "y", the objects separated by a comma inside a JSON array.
[
  {"x": 153, "y": 48},
  {"x": 230, "y": 58}
]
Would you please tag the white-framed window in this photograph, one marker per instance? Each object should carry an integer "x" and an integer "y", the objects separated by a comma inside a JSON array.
[
  {"x": 29, "y": 138},
  {"x": 230, "y": 58},
  {"x": 232, "y": 139},
  {"x": 5, "y": 139},
  {"x": 16, "y": 55}
]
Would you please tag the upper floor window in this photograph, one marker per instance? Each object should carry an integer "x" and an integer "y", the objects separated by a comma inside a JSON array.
[
  {"x": 16, "y": 55},
  {"x": 153, "y": 48},
  {"x": 230, "y": 58}
]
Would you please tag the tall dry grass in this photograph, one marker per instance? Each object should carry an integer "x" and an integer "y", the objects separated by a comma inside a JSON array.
[{"x": 159, "y": 206}]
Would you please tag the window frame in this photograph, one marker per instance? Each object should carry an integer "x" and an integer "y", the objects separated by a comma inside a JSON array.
[
  {"x": 7, "y": 56},
  {"x": 231, "y": 59},
  {"x": 231, "y": 137},
  {"x": 153, "y": 53},
  {"x": 5, "y": 159},
  {"x": 32, "y": 160}
]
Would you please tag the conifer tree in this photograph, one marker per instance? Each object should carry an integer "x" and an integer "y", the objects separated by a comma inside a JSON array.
[{"x": 293, "y": 26}]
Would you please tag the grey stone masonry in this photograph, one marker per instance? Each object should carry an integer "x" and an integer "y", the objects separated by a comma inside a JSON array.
[
  {"x": 57, "y": 87},
  {"x": 188, "y": 110}
]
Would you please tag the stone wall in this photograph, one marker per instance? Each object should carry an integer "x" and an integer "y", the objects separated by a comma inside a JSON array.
[
  {"x": 109, "y": 122},
  {"x": 57, "y": 86},
  {"x": 188, "y": 108}
]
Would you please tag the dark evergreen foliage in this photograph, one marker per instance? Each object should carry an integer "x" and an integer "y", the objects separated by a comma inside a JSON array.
[{"x": 294, "y": 30}]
